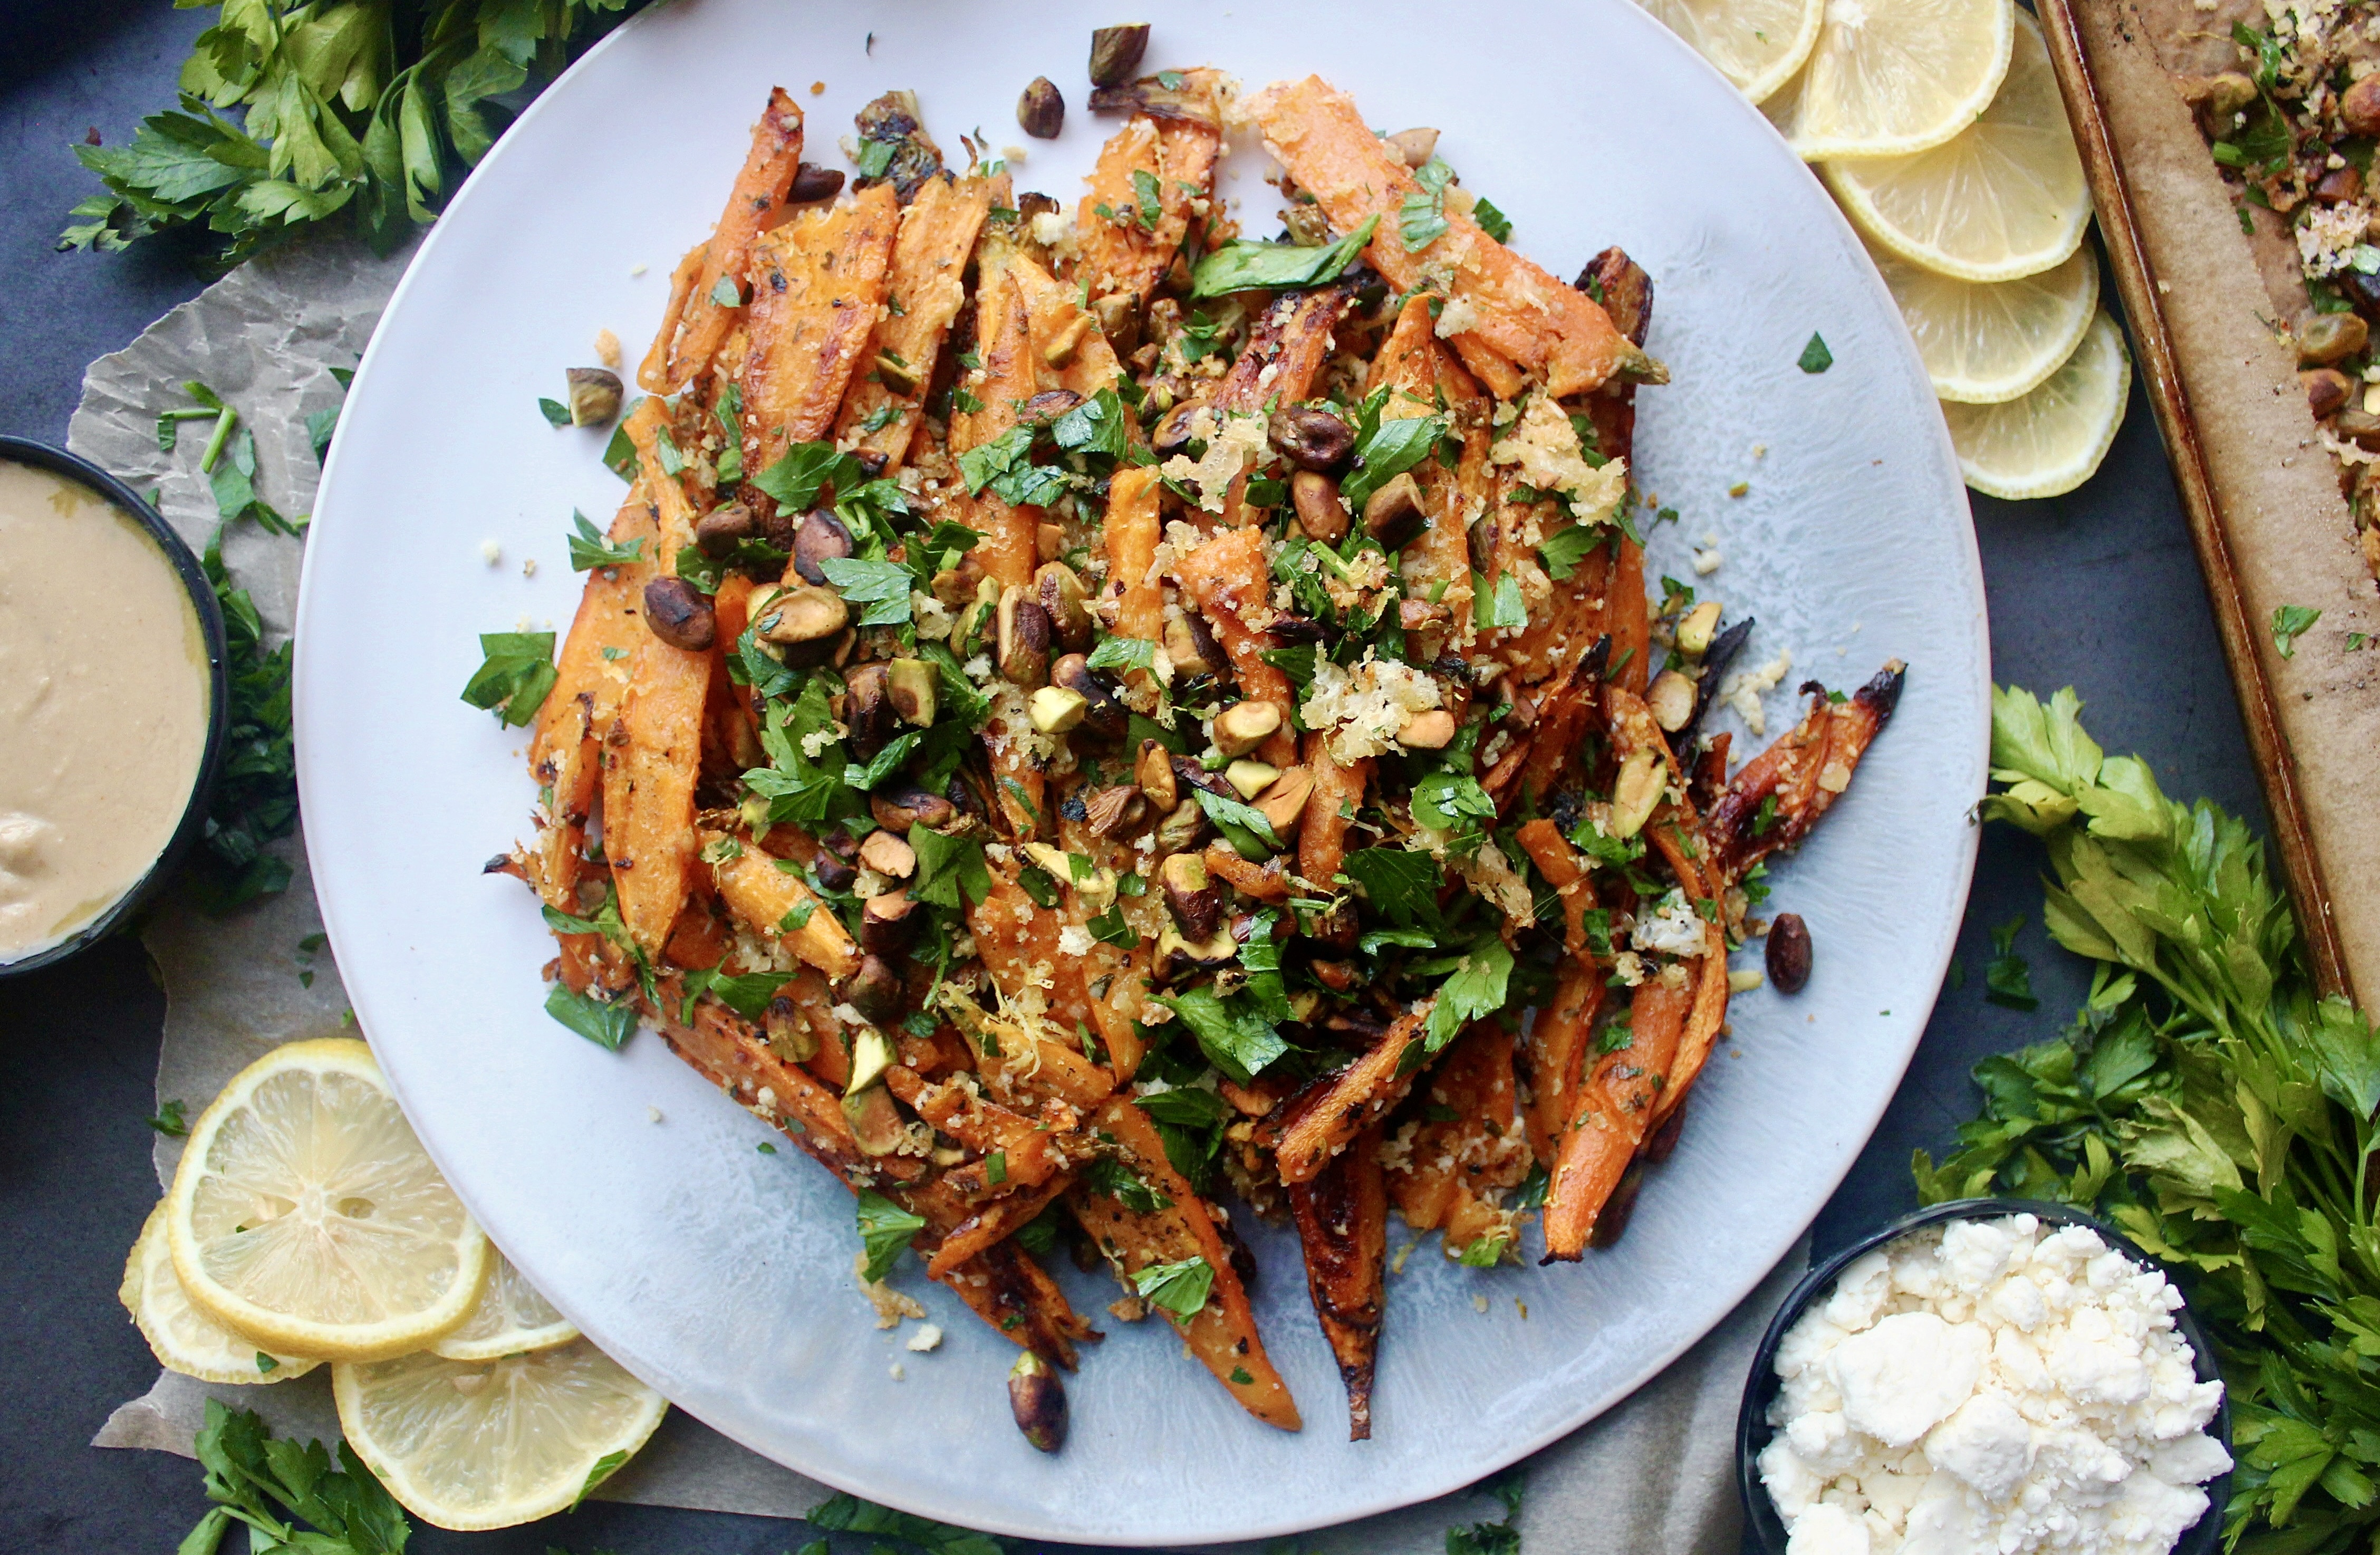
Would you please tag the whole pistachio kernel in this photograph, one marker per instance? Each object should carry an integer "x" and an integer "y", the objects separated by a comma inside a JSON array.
[{"x": 594, "y": 396}]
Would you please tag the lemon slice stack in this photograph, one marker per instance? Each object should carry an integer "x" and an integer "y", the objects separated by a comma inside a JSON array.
[
  {"x": 1938, "y": 128},
  {"x": 306, "y": 1224}
]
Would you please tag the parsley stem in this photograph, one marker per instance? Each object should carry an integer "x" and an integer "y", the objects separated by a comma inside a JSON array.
[{"x": 223, "y": 424}]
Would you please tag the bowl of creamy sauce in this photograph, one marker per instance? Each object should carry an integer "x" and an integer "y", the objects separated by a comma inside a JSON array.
[
  {"x": 112, "y": 702},
  {"x": 1988, "y": 1377}
]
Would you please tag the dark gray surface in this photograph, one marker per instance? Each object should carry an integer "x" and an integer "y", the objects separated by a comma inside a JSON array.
[{"x": 2099, "y": 590}]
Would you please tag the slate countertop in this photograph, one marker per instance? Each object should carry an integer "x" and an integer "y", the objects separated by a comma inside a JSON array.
[{"x": 2099, "y": 590}]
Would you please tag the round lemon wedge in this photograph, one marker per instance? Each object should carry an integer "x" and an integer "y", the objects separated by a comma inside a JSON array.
[
  {"x": 1758, "y": 44},
  {"x": 1889, "y": 77},
  {"x": 2052, "y": 439},
  {"x": 2005, "y": 199},
  {"x": 511, "y": 1318},
  {"x": 1985, "y": 342},
  {"x": 470, "y": 1446},
  {"x": 307, "y": 1216},
  {"x": 185, "y": 1339}
]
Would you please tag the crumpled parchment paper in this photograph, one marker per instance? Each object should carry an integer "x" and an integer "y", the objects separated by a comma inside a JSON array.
[{"x": 1652, "y": 1476}]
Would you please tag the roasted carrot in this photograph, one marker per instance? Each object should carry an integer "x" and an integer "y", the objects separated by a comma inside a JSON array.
[
  {"x": 1613, "y": 1114},
  {"x": 1131, "y": 535},
  {"x": 817, "y": 286},
  {"x": 1329, "y": 810},
  {"x": 767, "y": 898},
  {"x": 1226, "y": 577},
  {"x": 884, "y": 403},
  {"x": 1124, "y": 253},
  {"x": 1802, "y": 771},
  {"x": 1456, "y": 1163},
  {"x": 1436, "y": 563},
  {"x": 1222, "y": 1333},
  {"x": 1004, "y": 382},
  {"x": 653, "y": 372},
  {"x": 648, "y": 777},
  {"x": 1521, "y": 314},
  {"x": 761, "y": 189},
  {"x": 1340, "y": 1106},
  {"x": 590, "y": 682}
]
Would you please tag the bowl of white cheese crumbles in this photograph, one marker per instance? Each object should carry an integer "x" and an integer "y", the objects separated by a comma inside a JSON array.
[{"x": 1989, "y": 1376}]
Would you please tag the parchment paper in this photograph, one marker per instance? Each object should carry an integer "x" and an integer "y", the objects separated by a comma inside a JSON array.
[
  {"x": 2289, "y": 538},
  {"x": 1652, "y": 1476}
]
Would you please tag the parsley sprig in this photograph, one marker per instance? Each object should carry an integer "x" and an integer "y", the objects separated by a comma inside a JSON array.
[{"x": 291, "y": 116}]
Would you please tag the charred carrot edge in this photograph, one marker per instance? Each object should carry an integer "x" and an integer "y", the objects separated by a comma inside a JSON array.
[
  {"x": 1343, "y": 1227},
  {"x": 1804, "y": 770},
  {"x": 1344, "y": 1105}
]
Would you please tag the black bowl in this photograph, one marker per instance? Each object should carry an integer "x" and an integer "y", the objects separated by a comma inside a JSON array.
[
  {"x": 1752, "y": 1428},
  {"x": 211, "y": 627}
]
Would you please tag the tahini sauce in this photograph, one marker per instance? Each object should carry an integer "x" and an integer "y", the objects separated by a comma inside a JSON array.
[{"x": 103, "y": 705}]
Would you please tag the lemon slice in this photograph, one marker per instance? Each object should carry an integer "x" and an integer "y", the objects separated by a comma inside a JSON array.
[
  {"x": 307, "y": 1216},
  {"x": 1984, "y": 342},
  {"x": 510, "y": 1318},
  {"x": 2052, "y": 439},
  {"x": 1758, "y": 44},
  {"x": 470, "y": 1446},
  {"x": 185, "y": 1339},
  {"x": 2005, "y": 199},
  {"x": 1889, "y": 77}
]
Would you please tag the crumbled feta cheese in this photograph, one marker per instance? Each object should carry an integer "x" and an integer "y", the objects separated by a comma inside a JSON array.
[
  {"x": 1457, "y": 317},
  {"x": 1545, "y": 446},
  {"x": 1364, "y": 708},
  {"x": 1984, "y": 1387},
  {"x": 1706, "y": 561},
  {"x": 1674, "y": 928},
  {"x": 928, "y": 1336},
  {"x": 1075, "y": 940},
  {"x": 1742, "y": 690},
  {"x": 491, "y": 552},
  {"x": 607, "y": 347}
]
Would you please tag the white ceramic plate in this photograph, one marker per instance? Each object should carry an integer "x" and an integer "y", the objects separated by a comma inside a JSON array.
[{"x": 722, "y": 1275}]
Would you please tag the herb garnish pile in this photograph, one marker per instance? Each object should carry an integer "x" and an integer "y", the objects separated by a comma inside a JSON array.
[{"x": 2208, "y": 1101}]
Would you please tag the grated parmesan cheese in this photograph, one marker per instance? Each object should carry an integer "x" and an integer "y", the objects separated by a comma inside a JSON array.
[
  {"x": 1233, "y": 446},
  {"x": 1364, "y": 708},
  {"x": 1545, "y": 446}
]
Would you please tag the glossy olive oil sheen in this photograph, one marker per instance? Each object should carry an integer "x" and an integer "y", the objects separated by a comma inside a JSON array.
[{"x": 103, "y": 705}]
